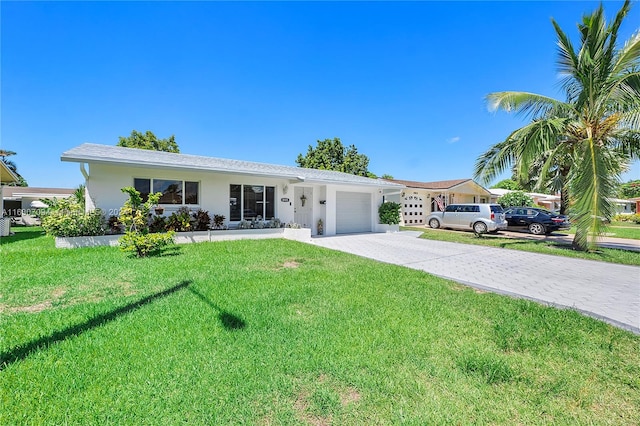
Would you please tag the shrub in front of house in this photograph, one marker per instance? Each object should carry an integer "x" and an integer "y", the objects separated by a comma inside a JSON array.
[
  {"x": 158, "y": 224},
  {"x": 68, "y": 219},
  {"x": 218, "y": 221},
  {"x": 201, "y": 220},
  {"x": 627, "y": 218},
  {"x": 114, "y": 226},
  {"x": 134, "y": 216},
  {"x": 180, "y": 220},
  {"x": 515, "y": 199},
  {"x": 274, "y": 223},
  {"x": 141, "y": 245},
  {"x": 389, "y": 213}
]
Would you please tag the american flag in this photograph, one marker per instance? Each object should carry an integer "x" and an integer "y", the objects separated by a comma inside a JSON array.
[{"x": 440, "y": 201}]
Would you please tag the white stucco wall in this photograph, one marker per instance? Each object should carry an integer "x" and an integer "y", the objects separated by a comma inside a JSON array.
[{"x": 105, "y": 181}]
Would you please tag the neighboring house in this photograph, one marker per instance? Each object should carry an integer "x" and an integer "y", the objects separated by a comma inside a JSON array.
[
  {"x": 19, "y": 200},
  {"x": 553, "y": 202},
  {"x": 623, "y": 206},
  {"x": 7, "y": 177},
  {"x": 419, "y": 199},
  {"x": 636, "y": 202},
  {"x": 239, "y": 190},
  {"x": 549, "y": 202}
]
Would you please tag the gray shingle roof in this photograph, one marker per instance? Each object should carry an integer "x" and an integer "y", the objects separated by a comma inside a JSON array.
[{"x": 94, "y": 153}]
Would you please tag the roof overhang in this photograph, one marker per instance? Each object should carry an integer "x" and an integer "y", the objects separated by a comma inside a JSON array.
[
  {"x": 7, "y": 176},
  {"x": 111, "y": 155}
]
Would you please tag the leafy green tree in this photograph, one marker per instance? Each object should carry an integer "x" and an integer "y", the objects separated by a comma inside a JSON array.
[
  {"x": 515, "y": 199},
  {"x": 630, "y": 189},
  {"x": 149, "y": 141},
  {"x": 331, "y": 154},
  {"x": 587, "y": 140},
  {"x": 509, "y": 184},
  {"x": 386, "y": 176}
]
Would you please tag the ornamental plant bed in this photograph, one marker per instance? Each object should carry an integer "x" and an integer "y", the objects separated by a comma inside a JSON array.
[{"x": 188, "y": 237}]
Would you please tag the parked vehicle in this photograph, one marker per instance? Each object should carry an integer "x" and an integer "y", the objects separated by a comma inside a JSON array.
[
  {"x": 480, "y": 218},
  {"x": 537, "y": 221}
]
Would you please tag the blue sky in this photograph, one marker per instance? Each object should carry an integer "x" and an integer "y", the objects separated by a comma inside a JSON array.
[{"x": 404, "y": 82}]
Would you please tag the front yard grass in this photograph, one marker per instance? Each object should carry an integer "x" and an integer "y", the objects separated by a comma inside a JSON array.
[
  {"x": 625, "y": 257},
  {"x": 629, "y": 230},
  {"x": 279, "y": 332}
]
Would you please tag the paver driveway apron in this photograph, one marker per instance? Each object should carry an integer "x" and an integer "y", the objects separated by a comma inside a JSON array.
[{"x": 607, "y": 291}]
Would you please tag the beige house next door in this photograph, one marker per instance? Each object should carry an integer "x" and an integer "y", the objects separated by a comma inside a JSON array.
[{"x": 412, "y": 207}]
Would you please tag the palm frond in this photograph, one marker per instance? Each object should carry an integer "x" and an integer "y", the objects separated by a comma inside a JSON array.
[
  {"x": 494, "y": 161},
  {"x": 524, "y": 103},
  {"x": 627, "y": 142},
  {"x": 567, "y": 58},
  {"x": 534, "y": 140},
  {"x": 624, "y": 92},
  {"x": 628, "y": 57},
  {"x": 593, "y": 182}
]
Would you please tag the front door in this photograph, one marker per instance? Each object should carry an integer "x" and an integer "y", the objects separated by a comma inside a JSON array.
[{"x": 303, "y": 204}]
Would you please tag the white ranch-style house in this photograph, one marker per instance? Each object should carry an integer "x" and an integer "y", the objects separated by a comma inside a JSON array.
[
  {"x": 419, "y": 199},
  {"x": 239, "y": 190}
]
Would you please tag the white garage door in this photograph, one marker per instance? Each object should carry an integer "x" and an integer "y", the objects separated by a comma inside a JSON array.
[{"x": 353, "y": 212}]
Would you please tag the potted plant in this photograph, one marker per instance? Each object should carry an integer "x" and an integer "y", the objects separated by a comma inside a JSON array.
[
  {"x": 389, "y": 214},
  {"x": 159, "y": 210},
  {"x": 320, "y": 227}
]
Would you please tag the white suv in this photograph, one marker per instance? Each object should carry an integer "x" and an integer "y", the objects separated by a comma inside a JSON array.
[{"x": 481, "y": 218}]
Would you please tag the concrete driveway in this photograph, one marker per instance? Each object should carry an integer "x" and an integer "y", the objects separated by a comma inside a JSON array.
[{"x": 606, "y": 291}]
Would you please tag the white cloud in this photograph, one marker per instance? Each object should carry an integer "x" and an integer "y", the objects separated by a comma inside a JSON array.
[{"x": 454, "y": 139}]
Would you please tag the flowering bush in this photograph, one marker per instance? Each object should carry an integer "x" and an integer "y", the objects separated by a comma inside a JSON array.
[{"x": 67, "y": 218}]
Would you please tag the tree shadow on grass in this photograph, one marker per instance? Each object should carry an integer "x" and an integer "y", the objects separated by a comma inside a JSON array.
[
  {"x": 228, "y": 320},
  {"x": 23, "y": 234},
  {"x": 170, "y": 251},
  {"x": 21, "y": 352}
]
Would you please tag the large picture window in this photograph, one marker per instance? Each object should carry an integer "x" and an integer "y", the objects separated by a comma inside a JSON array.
[
  {"x": 143, "y": 186},
  {"x": 173, "y": 191},
  {"x": 247, "y": 202}
]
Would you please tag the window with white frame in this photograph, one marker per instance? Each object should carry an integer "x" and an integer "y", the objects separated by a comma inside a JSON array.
[
  {"x": 247, "y": 202},
  {"x": 173, "y": 191}
]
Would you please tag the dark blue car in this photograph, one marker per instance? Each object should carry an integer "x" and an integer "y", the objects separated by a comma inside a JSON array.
[{"x": 537, "y": 221}]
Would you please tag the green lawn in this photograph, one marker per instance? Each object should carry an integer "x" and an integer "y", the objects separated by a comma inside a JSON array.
[
  {"x": 275, "y": 332},
  {"x": 624, "y": 257},
  {"x": 627, "y": 230}
]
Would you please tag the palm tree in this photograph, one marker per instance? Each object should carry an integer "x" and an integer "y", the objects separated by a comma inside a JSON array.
[{"x": 585, "y": 142}]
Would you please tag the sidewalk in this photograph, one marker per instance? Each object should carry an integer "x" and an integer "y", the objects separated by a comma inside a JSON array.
[{"x": 606, "y": 291}]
